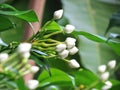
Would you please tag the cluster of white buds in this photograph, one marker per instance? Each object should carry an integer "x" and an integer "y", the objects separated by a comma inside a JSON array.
[
  {"x": 3, "y": 57},
  {"x": 69, "y": 28},
  {"x": 68, "y": 48},
  {"x": 32, "y": 84},
  {"x": 24, "y": 50},
  {"x": 104, "y": 75},
  {"x": 107, "y": 85},
  {"x": 58, "y": 14}
]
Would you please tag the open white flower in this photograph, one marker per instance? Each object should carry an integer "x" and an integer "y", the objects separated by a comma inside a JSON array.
[
  {"x": 24, "y": 47},
  {"x": 34, "y": 69},
  {"x": 112, "y": 64},
  {"x": 32, "y": 84},
  {"x": 69, "y": 28},
  {"x": 104, "y": 76},
  {"x": 73, "y": 63},
  {"x": 102, "y": 68},
  {"x": 58, "y": 14},
  {"x": 73, "y": 50},
  {"x": 3, "y": 57},
  {"x": 70, "y": 42},
  {"x": 64, "y": 53},
  {"x": 60, "y": 47}
]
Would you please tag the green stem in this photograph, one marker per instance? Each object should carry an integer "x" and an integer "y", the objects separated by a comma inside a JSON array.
[
  {"x": 48, "y": 45},
  {"x": 92, "y": 85},
  {"x": 51, "y": 34}
]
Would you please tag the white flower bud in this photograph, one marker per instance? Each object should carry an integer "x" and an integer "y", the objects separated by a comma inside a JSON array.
[
  {"x": 34, "y": 69},
  {"x": 3, "y": 57},
  {"x": 104, "y": 76},
  {"x": 102, "y": 68},
  {"x": 24, "y": 47},
  {"x": 70, "y": 42},
  {"x": 64, "y": 53},
  {"x": 73, "y": 50},
  {"x": 107, "y": 85},
  {"x": 25, "y": 55},
  {"x": 60, "y": 47},
  {"x": 58, "y": 14},
  {"x": 73, "y": 63},
  {"x": 112, "y": 64},
  {"x": 32, "y": 84},
  {"x": 69, "y": 28}
]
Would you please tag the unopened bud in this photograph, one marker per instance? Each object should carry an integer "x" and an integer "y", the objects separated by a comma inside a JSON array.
[
  {"x": 64, "y": 53},
  {"x": 70, "y": 42},
  {"x": 73, "y": 50},
  {"x": 102, "y": 68},
  {"x": 104, "y": 76},
  {"x": 107, "y": 85},
  {"x": 69, "y": 28},
  {"x": 3, "y": 57},
  {"x": 32, "y": 84},
  {"x": 73, "y": 63},
  {"x": 60, "y": 47},
  {"x": 58, "y": 14},
  {"x": 112, "y": 64},
  {"x": 34, "y": 69}
]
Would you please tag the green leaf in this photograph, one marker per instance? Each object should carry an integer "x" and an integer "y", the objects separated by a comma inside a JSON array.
[
  {"x": 92, "y": 16},
  {"x": 57, "y": 78},
  {"x": 21, "y": 84},
  {"x": 52, "y": 26},
  {"x": 5, "y": 24},
  {"x": 28, "y": 15},
  {"x": 7, "y": 6}
]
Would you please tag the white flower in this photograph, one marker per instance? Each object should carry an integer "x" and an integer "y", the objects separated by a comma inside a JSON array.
[
  {"x": 32, "y": 84},
  {"x": 58, "y": 14},
  {"x": 102, "y": 68},
  {"x": 24, "y": 47},
  {"x": 64, "y": 53},
  {"x": 73, "y": 63},
  {"x": 69, "y": 28},
  {"x": 73, "y": 50},
  {"x": 107, "y": 85},
  {"x": 60, "y": 47},
  {"x": 112, "y": 64},
  {"x": 3, "y": 57},
  {"x": 70, "y": 42},
  {"x": 34, "y": 69},
  {"x": 104, "y": 76}
]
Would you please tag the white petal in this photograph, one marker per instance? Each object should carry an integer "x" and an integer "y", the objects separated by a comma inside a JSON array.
[
  {"x": 69, "y": 28},
  {"x": 58, "y": 14},
  {"x": 73, "y": 63},
  {"x": 102, "y": 68}
]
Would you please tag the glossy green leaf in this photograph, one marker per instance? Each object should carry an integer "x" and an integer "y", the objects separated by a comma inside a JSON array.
[
  {"x": 7, "y": 6},
  {"x": 5, "y": 24},
  {"x": 92, "y": 16},
  {"x": 57, "y": 77},
  {"x": 97, "y": 38},
  {"x": 51, "y": 25},
  {"x": 28, "y": 15}
]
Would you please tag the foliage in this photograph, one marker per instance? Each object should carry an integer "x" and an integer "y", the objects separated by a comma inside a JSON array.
[{"x": 61, "y": 75}]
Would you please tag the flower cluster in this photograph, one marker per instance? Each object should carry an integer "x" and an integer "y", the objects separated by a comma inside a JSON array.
[{"x": 104, "y": 74}]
